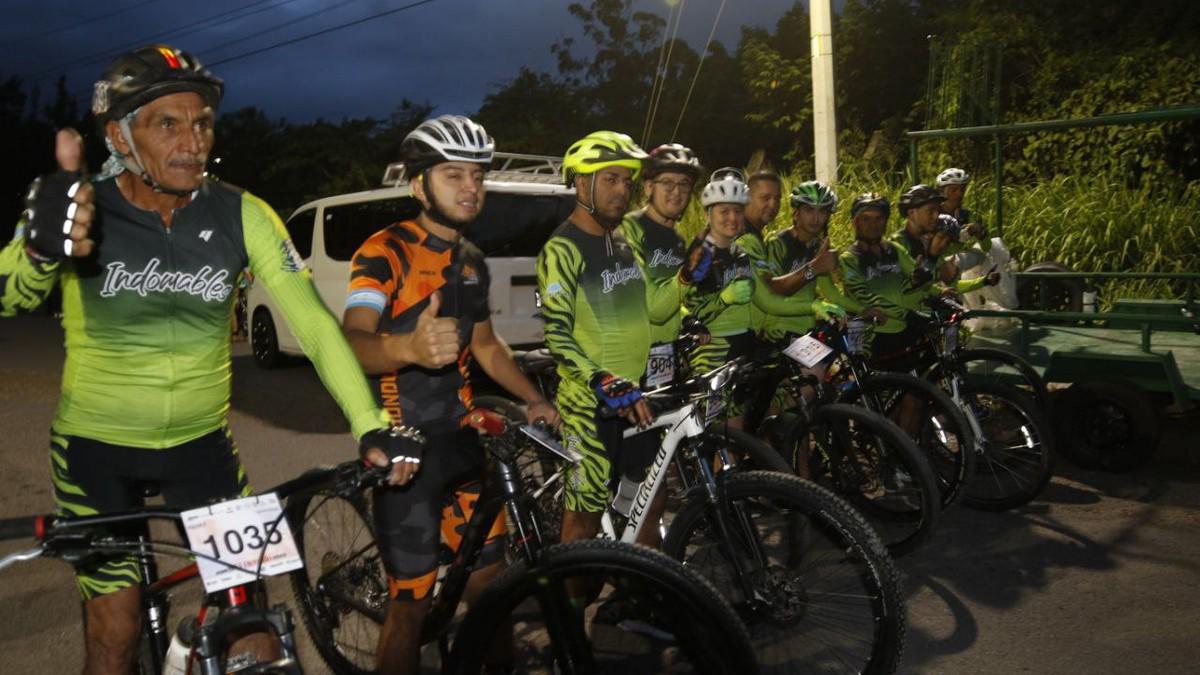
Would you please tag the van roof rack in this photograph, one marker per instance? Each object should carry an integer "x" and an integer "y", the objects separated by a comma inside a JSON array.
[{"x": 506, "y": 166}]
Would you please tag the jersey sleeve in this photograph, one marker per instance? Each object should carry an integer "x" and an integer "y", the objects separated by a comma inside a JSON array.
[
  {"x": 24, "y": 282},
  {"x": 769, "y": 263},
  {"x": 558, "y": 268},
  {"x": 277, "y": 265},
  {"x": 665, "y": 295},
  {"x": 371, "y": 279}
]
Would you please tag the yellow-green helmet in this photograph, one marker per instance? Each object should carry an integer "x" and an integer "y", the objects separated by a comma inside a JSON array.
[{"x": 599, "y": 150}]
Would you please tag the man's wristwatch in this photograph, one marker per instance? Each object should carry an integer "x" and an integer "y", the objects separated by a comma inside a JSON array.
[{"x": 809, "y": 274}]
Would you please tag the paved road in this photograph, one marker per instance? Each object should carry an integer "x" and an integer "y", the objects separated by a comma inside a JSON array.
[{"x": 1101, "y": 575}]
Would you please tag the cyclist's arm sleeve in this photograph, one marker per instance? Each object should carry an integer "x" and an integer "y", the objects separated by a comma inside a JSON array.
[
  {"x": 829, "y": 291},
  {"x": 779, "y": 305},
  {"x": 276, "y": 264},
  {"x": 705, "y": 306},
  {"x": 855, "y": 283},
  {"x": 766, "y": 260},
  {"x": 664, "y": 296},
  {"x": 558, "y": 268},
  {"x": 24, "y": 282},
  {"x": 969, "y": 285}
]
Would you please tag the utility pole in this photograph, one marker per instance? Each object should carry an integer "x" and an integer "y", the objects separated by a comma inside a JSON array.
[{"x": 824, "y": 114}]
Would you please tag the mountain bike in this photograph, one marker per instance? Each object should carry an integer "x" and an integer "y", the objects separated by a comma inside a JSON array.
[
  {"x": 247, "y": 541},
  {"x": 343, "y": 597}
]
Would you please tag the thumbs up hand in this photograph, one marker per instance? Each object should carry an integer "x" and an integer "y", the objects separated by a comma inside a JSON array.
[
  {"x": 824, "y": 260},
  {"x": 434, "y": 342}
]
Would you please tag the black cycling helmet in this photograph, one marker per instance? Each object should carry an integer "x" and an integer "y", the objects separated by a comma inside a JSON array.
[
  {"x": 672, "y": 157},
  {"x": 871, "y": 200},
  {"x": 918, "y": 195},
  {"x": 147, "y": 73}
]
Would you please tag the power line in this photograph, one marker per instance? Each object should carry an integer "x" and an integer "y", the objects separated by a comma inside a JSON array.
[
  {"x": 275, "y": 27},
  {"x": 80, "y": 23},
  {"x": 319, "y": 33},
  {"x": 659, "y": 76},
  {"x": 695, "y": 77},
  {"x": 215, "y": 20},
  {"x": 666, "y": 67}
]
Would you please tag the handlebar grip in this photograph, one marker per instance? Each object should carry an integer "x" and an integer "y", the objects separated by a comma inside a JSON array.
[{"x": 25, "y": 527}]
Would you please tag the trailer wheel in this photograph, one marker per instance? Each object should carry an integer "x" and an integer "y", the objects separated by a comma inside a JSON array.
[
  {"x": 1107, "y": 425},
  {"x": 1063, "y": 295}
]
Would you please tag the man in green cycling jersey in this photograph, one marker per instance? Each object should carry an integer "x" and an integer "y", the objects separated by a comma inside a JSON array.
[
  {"x": 598, "y": 327},
  {"x": 669, "y": 175},
  {"x": 802, "y": 259},
  {"x": 146, "y": 306},
  {"x": 930, "y": 237}
]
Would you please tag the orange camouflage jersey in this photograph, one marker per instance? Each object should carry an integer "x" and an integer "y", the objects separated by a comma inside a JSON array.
[{"x": 395, "y": 272}]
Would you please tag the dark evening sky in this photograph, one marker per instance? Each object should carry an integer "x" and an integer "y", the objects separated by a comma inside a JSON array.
[{"x": 449, "y": 52}]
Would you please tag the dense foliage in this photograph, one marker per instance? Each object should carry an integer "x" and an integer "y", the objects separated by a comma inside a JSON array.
[{"x": 1100, "y": 197}]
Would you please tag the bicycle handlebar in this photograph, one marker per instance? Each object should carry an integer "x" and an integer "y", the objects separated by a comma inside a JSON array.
[{"x": 25, "y": 527}]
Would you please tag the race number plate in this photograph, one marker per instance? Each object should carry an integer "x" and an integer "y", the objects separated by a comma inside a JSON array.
[
  {"x": 807, "y": 351},
  {"x": 952, "y": 338},
  {"x": 660, "y": 369},
  {"x": 235, "y": 532},
  {"x": 856, "y": 335}
]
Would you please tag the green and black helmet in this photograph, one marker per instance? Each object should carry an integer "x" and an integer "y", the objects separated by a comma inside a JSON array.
[{"x": 814, "y": 193}]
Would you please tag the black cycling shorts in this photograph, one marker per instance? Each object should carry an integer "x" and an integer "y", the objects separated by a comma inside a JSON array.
[
  {"x": 92, "y": 477},
  {"x": 439, "y": 500}
]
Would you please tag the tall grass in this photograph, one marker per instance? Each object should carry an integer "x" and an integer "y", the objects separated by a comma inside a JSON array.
[{"x": 1091, "y": 224}]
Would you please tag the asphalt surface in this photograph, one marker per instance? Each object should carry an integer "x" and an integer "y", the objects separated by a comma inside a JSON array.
[{"x": 1100, "y": 575}]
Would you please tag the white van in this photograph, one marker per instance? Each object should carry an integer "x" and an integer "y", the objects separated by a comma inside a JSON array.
[{"x": 526, "y": 200}]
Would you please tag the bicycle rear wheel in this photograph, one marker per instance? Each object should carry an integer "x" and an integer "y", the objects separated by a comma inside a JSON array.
[
  {"x": 342, "y": 589},
  {"x": 555, "y": 634},
  {"x": 866, "y": 459},
  {"x": 1017, "y": 453},
  {"x": 817, "y": 589}
]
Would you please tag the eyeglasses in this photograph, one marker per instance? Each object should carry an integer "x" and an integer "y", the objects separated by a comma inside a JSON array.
[{"x": 675, "y": 186}]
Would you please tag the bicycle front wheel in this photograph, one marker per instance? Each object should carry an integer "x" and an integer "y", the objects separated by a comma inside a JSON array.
[
  {"x": 342, "y": 589},
  {"x": 866, "y": 459},
  {"x": 809, "y": 577},
  {"x": 649, "y": 615},
  {"x": 1016, "y": 454}
]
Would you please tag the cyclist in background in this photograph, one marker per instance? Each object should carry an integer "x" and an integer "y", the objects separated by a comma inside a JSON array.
[
  {"x": 146, "y": 383},
  {"x": 953, "y": 183},
  {"x": 669, "y": 176},
  {"x": 929, "y": 237}
]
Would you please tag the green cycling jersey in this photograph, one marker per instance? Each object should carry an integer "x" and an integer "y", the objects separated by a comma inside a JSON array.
[
  {"x": 593, "y": 304},
  {"x": 659, "y": 251},
  {"x": 146, "y": 318}
]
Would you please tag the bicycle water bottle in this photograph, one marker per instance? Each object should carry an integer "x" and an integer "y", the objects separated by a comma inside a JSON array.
[
  {"x": 176, "y": 660},
  {"x": 626, "y": 491}
]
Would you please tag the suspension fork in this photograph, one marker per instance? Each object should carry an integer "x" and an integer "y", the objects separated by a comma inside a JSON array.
[
  {"x": 718, "y": 498},
  {"x": 155, "y": 606}
]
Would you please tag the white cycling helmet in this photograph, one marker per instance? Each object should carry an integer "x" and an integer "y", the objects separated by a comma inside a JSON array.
[
  {"x": 953, "y": 176},
  {"x": 448, "y": 138},
  {"x": 730, "y": 189}
]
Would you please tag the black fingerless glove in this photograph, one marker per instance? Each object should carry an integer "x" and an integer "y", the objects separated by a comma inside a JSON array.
[
  {"x": 400, "y": 444},
  {"x": 50, "y": 206}
]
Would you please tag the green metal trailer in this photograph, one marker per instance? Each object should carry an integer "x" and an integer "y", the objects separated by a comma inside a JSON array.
[{"x": 1124, "y": 367}]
